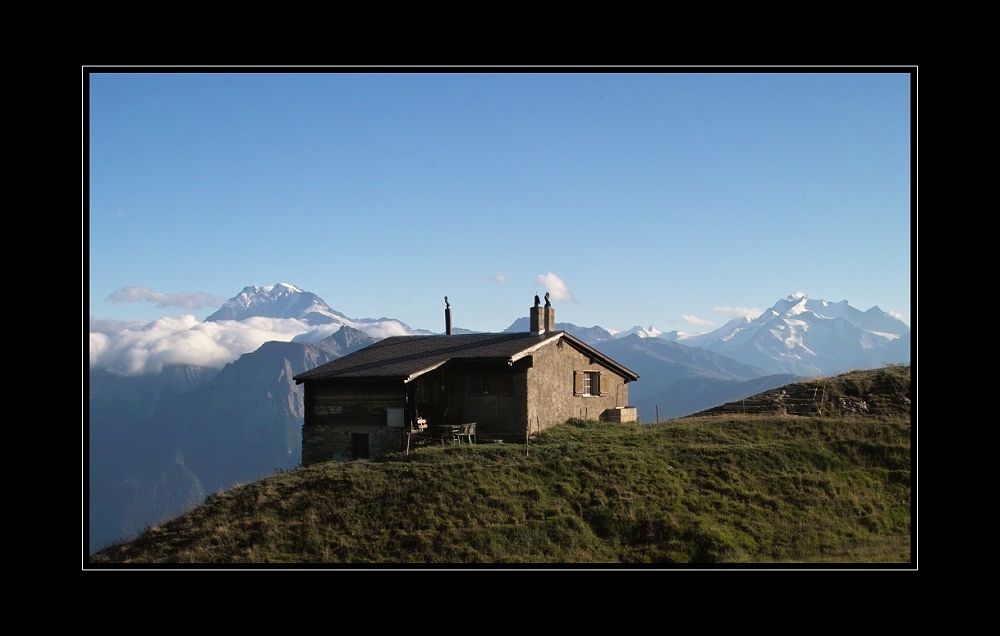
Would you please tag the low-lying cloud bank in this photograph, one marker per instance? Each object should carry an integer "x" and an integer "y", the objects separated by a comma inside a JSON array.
[
  {"x": 186, "y": 300},
  {"x": 137, "y": 347},
  {"x": 183, "y": 340}
]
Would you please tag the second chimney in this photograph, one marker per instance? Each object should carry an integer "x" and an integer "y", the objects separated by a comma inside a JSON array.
[{"x": 447, "y": 317}]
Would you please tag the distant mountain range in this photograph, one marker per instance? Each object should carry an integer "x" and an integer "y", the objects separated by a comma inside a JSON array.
[
  {"x": 807, "y": 337},
  {"x": 797, "y": 335},
  {"x": 675, "y": 379},
  {"x": 590, "y": 335},
  {"x": 160, "y": 442}
]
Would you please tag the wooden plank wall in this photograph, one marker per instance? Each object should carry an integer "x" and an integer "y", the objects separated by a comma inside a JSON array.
[{"x": 346, "y": 403}]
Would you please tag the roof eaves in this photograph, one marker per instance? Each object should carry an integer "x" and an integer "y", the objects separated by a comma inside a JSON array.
[
  {"x": 299, "y": 379},
  {"x": 415, "y": 375},
  {"x": 590, "y": 351},
  {"x": 527, "y": 352}
]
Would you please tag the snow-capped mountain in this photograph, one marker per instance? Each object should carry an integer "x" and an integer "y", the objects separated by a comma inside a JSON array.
[
  {"x": 652, "y": 332},
  {"x": 288, "y": 301},
  {"x": 278, "y": 301},
  {"x": 703, "y": 339},
  {"x": 811, "y": 337},
  {"x": 804, "y": 336}
]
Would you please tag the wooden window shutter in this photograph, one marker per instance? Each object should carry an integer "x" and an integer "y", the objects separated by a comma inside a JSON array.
[
  {"x": 602, "y": 383},
  {"x": 577, "y": 383}
]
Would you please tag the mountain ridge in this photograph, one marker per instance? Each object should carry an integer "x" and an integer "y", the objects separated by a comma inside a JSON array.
[
  {"x": 233, "y": 425},
  {"x": 284, "y": 300}
]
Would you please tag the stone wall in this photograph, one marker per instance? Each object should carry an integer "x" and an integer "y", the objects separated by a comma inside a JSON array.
[
  {"x": 335, "y": 410},
  {"x": 550, "y": 387},
  {"x": 621, "y": 414},
  {"x": 324, "y": 442}
]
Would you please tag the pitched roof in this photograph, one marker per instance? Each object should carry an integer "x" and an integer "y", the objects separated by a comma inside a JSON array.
[{"x": 407, "y": 357}]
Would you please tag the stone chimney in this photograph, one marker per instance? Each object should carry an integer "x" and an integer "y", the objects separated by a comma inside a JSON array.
[
  {"x": 537, "y": 320},
  {"x": 543, "y": 319}
]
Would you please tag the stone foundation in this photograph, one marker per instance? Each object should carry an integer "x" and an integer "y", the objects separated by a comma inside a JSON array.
[
  {"x": 323, "y": 443},
  {"x": 621, "y": 414}
]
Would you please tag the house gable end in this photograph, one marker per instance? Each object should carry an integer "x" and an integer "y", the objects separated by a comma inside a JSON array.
[
  {"x": 571, "y": 380},
  {"x": 595, "y": 357}
]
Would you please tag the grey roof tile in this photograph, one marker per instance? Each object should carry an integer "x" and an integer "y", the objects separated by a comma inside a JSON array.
[
  {"x": 408, "y": 356},
  {"x": 403, "y": 356}
]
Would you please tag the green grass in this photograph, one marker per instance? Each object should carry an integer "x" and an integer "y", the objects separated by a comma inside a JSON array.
[
  {"x": 883, "y": 393},
  {"x": 731, "y": 489}
]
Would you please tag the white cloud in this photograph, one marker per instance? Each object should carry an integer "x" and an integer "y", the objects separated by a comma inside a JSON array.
[
  {"x": 497, "y": 278},
  {"x": 385, "y": 329},
  {"x": 896, "y": 314},
  {"x": 130, "y": 347},
  {"x": 556, "y": 287},
  {"x": 109, "y": 326},
  {"x": 134, "y": 348},
  {"x": 187, "y": 300},
  {"x": 695, "y": 320},
  {"x": 98, "y": 345},
  {"x": 736, "y": 312}
]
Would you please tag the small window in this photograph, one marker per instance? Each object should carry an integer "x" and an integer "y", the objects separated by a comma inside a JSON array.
[{"x": 587, "y": 383}]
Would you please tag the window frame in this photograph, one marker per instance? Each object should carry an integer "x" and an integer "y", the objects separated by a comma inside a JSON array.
[{"x": 584, "y": 383}]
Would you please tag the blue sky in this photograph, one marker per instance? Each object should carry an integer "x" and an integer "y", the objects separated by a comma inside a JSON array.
[{"x": 651, "y": 196}]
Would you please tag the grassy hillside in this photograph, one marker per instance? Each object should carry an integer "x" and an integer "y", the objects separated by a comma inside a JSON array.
[
  {"x": 830, "y": 487},
  {"x": 883, "y": 392}
]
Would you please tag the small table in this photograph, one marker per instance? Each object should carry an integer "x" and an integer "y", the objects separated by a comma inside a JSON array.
[{"x": 445, "y": 431}]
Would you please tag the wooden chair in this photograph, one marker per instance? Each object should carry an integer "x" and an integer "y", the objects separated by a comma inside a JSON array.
[{"x": 468, "y": 431}]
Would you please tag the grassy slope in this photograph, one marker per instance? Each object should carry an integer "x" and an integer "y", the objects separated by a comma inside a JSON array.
[
  {"x": 729, "y": 488},
  {"x": 883, "y": 392}
]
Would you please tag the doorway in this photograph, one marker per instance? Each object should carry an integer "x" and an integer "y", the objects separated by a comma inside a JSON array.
[{"x": 359, "y": 446}]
